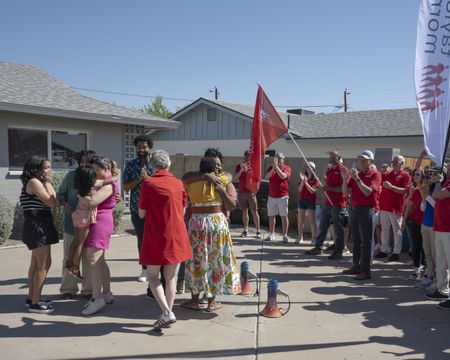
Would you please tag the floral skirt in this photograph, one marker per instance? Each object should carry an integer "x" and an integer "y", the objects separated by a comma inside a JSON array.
[{"x": 213, "y": 268}]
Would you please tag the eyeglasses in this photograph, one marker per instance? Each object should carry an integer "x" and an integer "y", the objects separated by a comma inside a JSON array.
[
  {"x": 417, "y": 174},
  {"x": 395, "y": 161}
]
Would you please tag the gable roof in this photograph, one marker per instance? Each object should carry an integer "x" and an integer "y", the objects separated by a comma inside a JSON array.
[
  {"x": 25, "y": 88},
  {"x": 369, "y": 123},
  {"x": 245, "y": 110}
]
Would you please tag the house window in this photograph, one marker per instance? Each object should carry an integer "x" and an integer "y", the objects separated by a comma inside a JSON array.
[
  {"x": 211, "y": 114},
  {"x": 58, "y": 146},
  {"x": 65, "y": 145},
  {"x": 24, "y": 143}
]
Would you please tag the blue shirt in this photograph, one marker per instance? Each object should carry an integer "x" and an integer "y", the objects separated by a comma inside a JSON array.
[
  {"x": 68, "y": 193},
  {"x": 428, "y": 215},
  {"x": 131, "y": 172}
]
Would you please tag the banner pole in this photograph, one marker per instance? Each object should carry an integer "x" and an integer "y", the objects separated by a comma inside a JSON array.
[
  {"x": 312, "y": 170},
  {"x": 446, "y": 147}
]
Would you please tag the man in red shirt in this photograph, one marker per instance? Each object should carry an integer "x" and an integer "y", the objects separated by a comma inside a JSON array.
[
  {"x": 396, "y": 185},
  {"x": 246, "y": 198},
  {"x": 441, "y": 227},
  {"x": 363, "y": 187},
  {"x": 334, "y": 210},
  {"x": 277, "y": 204}
]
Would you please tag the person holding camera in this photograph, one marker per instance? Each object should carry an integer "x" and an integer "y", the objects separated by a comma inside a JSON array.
[{"x": 246, "y": 198}]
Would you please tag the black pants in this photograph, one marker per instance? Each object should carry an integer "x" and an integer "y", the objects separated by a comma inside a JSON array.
[
  {"x": 337, "y": 215},
  {"x": 415, "y": 236},
  {"x": 361, "y": 231}
]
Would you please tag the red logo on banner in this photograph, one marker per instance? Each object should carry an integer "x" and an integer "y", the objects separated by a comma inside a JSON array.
[{"x": 430, "y": 93}]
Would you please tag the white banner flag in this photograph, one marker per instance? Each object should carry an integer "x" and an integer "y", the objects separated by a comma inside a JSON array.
[{"x": 431, "y": 75}]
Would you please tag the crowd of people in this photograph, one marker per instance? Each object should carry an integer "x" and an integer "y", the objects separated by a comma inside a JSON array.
[
  {"x": 372, "y": 209},
  {"x": 182, "y": 225}
]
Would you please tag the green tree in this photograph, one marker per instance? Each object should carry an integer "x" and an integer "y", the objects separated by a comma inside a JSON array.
[{"x": 157, "y": 108}]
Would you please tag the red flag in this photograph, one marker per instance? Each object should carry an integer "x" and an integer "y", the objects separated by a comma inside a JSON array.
[{"x": 267, "y": 127}]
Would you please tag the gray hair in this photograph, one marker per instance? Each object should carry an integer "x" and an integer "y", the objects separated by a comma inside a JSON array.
[{"x": 160, "y": 159}]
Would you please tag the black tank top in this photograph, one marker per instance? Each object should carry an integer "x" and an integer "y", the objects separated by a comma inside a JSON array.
[{"x": 31, "y": 202}]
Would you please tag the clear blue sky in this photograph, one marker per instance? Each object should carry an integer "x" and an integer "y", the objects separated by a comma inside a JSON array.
[{"x": 303, "y": 52}]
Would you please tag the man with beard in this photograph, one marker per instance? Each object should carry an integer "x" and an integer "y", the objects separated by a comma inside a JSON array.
[{"x": 136, "y": 171}]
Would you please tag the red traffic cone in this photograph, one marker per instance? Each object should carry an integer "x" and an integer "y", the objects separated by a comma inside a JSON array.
[
  {"x": 271, "y": 309},
  {"x": 246, "y": 288}
]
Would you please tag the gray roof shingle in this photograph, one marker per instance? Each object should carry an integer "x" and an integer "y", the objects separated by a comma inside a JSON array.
[
  {"x": 371, "y": 123},
  {"x": 30, "y": 88}
]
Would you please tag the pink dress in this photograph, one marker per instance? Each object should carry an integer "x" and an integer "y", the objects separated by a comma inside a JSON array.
[
  {"x": 100, "y": 233},
  {"x": 83, "y": 217}
]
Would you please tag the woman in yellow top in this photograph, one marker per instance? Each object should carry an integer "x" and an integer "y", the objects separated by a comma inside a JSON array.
[{"x": 213, "y": 268}]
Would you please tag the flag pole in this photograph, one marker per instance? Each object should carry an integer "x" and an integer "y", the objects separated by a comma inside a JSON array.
[
  {"x": 446, "y": 147},
  {"x": 312, "y": 170}
]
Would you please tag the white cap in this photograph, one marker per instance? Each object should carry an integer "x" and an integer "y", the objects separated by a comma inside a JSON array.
[
  {"x": 312, "y": 165},
  {"x": 367, "y": 154}
]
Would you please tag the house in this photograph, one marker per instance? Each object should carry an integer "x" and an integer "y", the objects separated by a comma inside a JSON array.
[
  {"x": 228, "y": 126},
  {"x": 39, "y": 115}
]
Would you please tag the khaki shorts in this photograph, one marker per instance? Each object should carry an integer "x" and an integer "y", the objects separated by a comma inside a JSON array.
[
  {"x": 277, "y": 206},
  {"x": 247, "y": 200}
]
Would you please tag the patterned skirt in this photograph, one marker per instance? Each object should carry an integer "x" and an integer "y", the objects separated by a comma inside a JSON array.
[{"x": 213, "y": 268}]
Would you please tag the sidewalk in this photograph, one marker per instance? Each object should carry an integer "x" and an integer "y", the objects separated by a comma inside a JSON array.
[{"x": 331, "y": 316}]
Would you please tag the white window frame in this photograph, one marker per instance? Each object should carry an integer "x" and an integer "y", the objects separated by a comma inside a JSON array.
[{"x": 49, "y": 130}]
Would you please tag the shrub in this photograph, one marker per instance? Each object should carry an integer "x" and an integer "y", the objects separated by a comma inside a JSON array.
[
  {"x": 118, "y": 214},
  {"x": 58, "y": 212},
  {"x": 6, "y": 219},
  {"x": 18, "y": 223}
]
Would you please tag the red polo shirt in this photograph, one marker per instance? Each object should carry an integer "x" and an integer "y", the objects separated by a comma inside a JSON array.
[
  {"x": 442, "y": 212},
  {"x": 305, "y": 194},
  {"x": 389, "y": 200},
  {"x": 416, "y": 214},
  {"x": 334, "y": 179},
  {"x": 372, "y": 179},
  {"x": 242, "y": 180},
  {"x": 279, "y": 187}
]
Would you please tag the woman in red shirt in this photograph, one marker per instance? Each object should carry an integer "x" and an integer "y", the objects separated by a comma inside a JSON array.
[
  {"x": 412, "y": 221},
  {"x": 307, "y": 187},
  {"x": 165, "y": 243}
]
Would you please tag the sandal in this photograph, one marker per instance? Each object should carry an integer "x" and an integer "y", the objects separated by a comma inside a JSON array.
[
  {"x": 74, "y": 271},
  {"x": 214, "y": 306},
  {"x": 192, "y": 305}
]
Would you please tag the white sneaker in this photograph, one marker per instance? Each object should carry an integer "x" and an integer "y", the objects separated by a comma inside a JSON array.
[
  {"x": 143, "y": 276},
  {"x": 271, "y": 237},
  {"x": 108, "y": 297},
  {"x": 165, "y": 321},
  {"x": 94, "y": 306},
  {"x": 285, "y": 239},
  {"x": 299, "y": 240}
]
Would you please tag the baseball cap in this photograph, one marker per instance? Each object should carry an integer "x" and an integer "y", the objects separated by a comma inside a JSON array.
[
  {"x": 367, "y": 154},
  {"x": 313, "y": 166}
]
